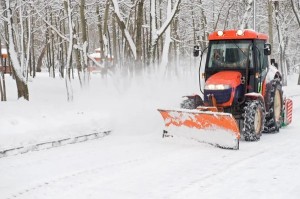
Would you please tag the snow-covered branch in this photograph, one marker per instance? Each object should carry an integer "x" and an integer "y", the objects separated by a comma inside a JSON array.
[
  {"x": 246, "y": 16},
  {"x": 157, "y": 33},
  {"x": 168, "y": 39},
  {"x": 125, "y": 32}
]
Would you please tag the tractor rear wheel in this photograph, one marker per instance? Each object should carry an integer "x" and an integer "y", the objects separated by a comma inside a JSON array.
[
  {"x": 254, "y": 117},
  {"x": 275, "y": 107}
]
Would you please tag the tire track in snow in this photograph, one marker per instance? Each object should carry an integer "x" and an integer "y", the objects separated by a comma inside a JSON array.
[
  {"x": 268, "y": 148},
  {"x": 215, "y": 174},
  {"x": 88, "y": 173},
  {"x": 232, "y": 167}
]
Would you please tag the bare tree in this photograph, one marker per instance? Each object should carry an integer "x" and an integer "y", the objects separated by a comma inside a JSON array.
[
  {"x": 282, "y": 65},
  {"x": 156, "y": 34},
  {"x": 139, "y": 31},
  {"x": 123, "y": 28},
  {"x": 168, "y": 40},
  {"x": 17, "y": 62},
  {"x": 247, "y": 15},
  {"x": 298, "y": 21}
]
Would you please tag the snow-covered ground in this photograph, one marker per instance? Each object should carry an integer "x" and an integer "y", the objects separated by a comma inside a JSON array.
[{"x": 134, "y": 161}]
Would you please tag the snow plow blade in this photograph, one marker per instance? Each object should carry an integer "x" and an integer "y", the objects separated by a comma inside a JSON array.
[{"x": 204, "y": 125}]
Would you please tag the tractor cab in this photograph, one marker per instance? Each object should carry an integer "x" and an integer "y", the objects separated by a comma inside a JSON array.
[{"x": 236, "y": 64}]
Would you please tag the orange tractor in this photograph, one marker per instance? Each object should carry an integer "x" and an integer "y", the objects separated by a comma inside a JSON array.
[{"x": 242, "y": 94}]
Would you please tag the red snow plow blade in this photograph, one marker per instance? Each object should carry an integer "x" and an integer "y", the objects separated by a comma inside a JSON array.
[{"x": 203, "y": 124}]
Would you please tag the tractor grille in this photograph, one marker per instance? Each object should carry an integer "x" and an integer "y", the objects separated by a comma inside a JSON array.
[{"x": 221, "y": 96}]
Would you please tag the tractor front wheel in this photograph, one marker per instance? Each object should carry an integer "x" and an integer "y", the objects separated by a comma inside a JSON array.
[
  {"x": 191, "y": 102},
  {"x": 254, "y": 117}
]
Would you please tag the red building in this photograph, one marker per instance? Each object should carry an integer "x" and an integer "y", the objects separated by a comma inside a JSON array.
[{"x": 3, "y": 62}]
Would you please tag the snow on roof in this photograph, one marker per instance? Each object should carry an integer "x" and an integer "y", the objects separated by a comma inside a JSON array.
[
  {"x": 108, "y": 56},
  {"x": 95, "y": 55},
  {"x": 3, "y": 51}
]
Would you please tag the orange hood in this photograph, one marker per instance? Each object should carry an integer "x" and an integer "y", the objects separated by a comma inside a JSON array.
[{"x": 232, "y": 78}]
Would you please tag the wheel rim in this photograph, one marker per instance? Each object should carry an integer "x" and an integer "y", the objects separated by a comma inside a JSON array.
[
  {"x": 257, "y": 122},
  {"x": 277, "y": 105}
]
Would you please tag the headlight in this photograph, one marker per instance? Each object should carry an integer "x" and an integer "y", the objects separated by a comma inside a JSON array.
[
  {"x": 240, "y": 32},
  {"x": 217, "y": 86},
  {"x": 210, "y": 87},
  {"x": 220, "y": 33}
]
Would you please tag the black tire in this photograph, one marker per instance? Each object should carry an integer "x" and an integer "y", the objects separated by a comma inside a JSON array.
[
  {"x": 274, "y": 108},
  {"x": 191, "y": 102},
  {"x": 254, "y": 117}
]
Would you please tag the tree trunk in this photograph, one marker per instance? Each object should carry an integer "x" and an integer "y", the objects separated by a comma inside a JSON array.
[
  {"x": 22, "y": 86},
  {"x": 298, "y": 21},
  {"x": 247, "y": 15},
  {"x": 176, "y": 44},
  {"x": 157, "y": 33},
  {"x": 2, "y": 77},
  {"x": 100, "y": 34},
  {"x": 114, "y": 33},
  {"x": 33, "y": 58},
  {"x": 123, "y": 28},
  {"x": 68, "y": 82},
  {"x": 281, "y": 67},
  {"x": 295, "y": 12},
  {"x": 194, "y": 27},
  {"x": 1, "y": 88},
  {"x": 146, "y": 41},
  {"x": 85, "y": 46},
  {"x": 77, "y": 55},
  {"x": 203, "y": 27},
  {"x": 270, "y": 18},
  {"x": 227, "y": 14},
  {"x": 52, "y": 48},
  {"x": 168, "y": 40},
  {"x": 109, "y": 47},
  {"x": 139, "y": 23},
  {"x": 40, "y": 59},
  {"x": 106, "y": 16},
  {"x": 218, "y": 17},
  {"x": 105, "y": 22}
]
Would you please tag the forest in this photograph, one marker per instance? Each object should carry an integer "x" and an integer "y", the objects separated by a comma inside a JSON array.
[{"x": 131, "y": 37}]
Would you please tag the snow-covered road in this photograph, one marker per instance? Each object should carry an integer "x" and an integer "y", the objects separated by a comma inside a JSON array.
[
  {"x": 147, "y": 166},
  {"x": 134, "y": 161}
]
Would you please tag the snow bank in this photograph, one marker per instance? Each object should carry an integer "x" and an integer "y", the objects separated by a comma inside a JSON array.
[
  {"x": 47, "y": 116},
  {"x": 117, "y": 104}
]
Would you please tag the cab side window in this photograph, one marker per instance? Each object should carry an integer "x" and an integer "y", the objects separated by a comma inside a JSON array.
[{"x": 262, "y": 59}]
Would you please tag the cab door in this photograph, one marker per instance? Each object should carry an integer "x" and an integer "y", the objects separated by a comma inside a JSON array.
[{"x": 261, "y": 65}]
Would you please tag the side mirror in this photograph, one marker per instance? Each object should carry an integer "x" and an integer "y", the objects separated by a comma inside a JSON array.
[
  {"x": 267, "y": 49},
  {"x": 196, "y": 51}
]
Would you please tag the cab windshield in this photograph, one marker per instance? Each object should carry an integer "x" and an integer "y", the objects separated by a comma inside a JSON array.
[{"x": 230, "y": 53}]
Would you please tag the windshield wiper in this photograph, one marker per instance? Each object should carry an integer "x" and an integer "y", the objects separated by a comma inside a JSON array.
[{"x": 234, "y": 42}]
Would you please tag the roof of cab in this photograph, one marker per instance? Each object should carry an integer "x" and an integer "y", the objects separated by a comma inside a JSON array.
[{"x": 232, "y": 34}]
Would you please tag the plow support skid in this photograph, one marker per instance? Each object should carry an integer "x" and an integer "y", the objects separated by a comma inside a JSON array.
[{"x": 215, "y": 128}]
